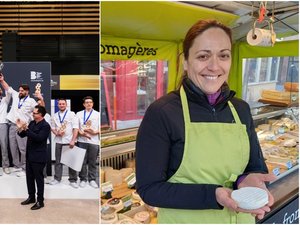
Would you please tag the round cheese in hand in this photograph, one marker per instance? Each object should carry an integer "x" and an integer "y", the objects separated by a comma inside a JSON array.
[{"x": 250, "y": 197}]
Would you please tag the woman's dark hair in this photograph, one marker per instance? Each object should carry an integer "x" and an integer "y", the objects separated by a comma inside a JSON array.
[{"x": 197, "y": 29}]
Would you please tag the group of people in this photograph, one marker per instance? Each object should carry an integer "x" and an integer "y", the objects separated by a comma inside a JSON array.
[{"x": 26, "y": 128}]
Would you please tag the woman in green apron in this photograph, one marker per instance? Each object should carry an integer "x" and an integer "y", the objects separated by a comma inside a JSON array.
[{"x": 198, "y": 143}]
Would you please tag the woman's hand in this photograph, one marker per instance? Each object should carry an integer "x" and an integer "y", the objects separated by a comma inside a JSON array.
[
  {"x": 258, "y": 180},
  {"x": 223, "y": 196}
]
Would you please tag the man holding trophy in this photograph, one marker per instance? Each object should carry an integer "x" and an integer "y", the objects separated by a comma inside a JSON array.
[
  {"x": 21, "y": 110},
  {"x": 88, "y": 138},
  {"x": 4, "y": 101},
  {"x": 64, "y": 126}
]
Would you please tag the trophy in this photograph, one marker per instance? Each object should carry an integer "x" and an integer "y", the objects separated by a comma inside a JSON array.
[
  {"x": 86, "y": 125},
  {"x": 1, "y": 66},
  {"x": 21, "y": 125},
  {"x": 38, "y": 88}
]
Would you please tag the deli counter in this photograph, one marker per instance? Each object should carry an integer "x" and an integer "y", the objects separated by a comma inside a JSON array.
[{"x": 278, "y": 133}]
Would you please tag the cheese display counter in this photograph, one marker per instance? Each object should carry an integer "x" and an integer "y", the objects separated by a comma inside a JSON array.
[{"x": 278, "y": 133}]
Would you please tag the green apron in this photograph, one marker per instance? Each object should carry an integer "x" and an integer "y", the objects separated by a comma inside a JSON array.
[{"x": 214, "y": 153}]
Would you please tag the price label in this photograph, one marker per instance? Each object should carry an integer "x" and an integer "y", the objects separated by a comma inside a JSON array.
[
  {"x": 289, "y": 164},
  {"x": 127, "y": 201},
  {"x": 276, "y": 171},
  {"x": 104, "y": 208},
  {"x": 131, "y": 180},
  {"x": 106, "y": 187}
]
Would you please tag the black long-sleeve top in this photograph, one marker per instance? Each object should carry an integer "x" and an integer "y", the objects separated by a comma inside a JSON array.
[
  {"x": 36, "y": 148},
  {"x": 160, "y": 145}
]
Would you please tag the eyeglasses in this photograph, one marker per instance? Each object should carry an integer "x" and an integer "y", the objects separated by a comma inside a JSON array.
[{"x": 35, "y": 113}]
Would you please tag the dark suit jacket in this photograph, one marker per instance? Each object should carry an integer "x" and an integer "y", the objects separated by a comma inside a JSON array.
[{"x": 37, "y": 133}]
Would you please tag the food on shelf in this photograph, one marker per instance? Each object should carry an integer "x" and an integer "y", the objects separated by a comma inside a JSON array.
[
  {"x": 125, "y": 172},
  {"x": 280, "y": 97},
  {"x": 280, "y": 147},
  {"x": 291, "y": 86},
  {"x": 135, "y": 205},
  {"x": 108, "y": 215},
  {"x": 118, "y": 138},
  {"x": 115, "y": 203},
  {"x": 130, "y": 163},
  {"x": 142, "y": 217},
  {"x": 114, "y": 176},
  {"x": 136, "y": 196},
  {"x": 126, "y": 221},
  {"x": 290, "y": 143},
  {"x": 102, "y": 175}
]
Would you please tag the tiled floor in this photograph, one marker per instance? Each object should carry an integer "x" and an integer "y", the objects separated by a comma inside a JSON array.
[
  {"x": 15, "y": 187},
  {"x": 63, "y": 203}
]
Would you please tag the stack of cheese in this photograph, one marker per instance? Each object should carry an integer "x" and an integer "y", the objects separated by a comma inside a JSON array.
[
  {"x": 280, "y": 97},
  {"x": 116, "y": 177},
  {"x": 279, "y": 149},
  {"x": 291, "y": 86}
]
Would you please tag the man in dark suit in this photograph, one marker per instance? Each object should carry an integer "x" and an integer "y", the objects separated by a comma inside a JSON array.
[{"x": 37, "y": 132}]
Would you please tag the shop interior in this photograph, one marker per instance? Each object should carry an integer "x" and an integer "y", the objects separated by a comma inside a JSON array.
[{"x": 266, "y": 75}]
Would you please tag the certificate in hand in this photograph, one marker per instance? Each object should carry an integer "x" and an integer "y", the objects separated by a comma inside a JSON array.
[{"x": 72, "y": 157}]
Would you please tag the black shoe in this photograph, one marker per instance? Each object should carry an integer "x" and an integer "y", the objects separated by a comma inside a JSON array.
[
  {"x": 37, "y": 205},
  {"x": 28, "y": 201}
]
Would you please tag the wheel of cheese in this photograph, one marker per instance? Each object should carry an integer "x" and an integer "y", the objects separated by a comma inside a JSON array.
[
  {"x": 108, "y": 216},
  {"x": 126, "y": 221},
  {"x": 109, "y": 221},
  {"x": 102, "y": 177},
  {"x": 136, "y": 196},
  {"x": 115, "y": 203},
  {"x": 126, "y": 172},
  {"x": 142, "y": 217},
  {"x": 250, "y": 197},
  {"x": 130, "y": 163},
  {"x": 106, "y": 168},
  {"x": 151, "y": 209},
  {"x": 114, "y": 176},
  {"x": 135, "y": 205}
]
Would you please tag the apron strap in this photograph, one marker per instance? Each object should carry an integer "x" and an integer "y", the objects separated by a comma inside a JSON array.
[
  {"x": 185, "y": 107},
  {"x": 234, "y": 113},
  {"x": 186, "y": 113}
]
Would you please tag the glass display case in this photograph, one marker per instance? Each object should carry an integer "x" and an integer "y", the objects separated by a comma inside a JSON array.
[
  {"x": 278, "y": 134},
  {"x": 271, "y": 87}
]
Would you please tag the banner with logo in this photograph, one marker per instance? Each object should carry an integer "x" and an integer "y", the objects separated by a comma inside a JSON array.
[
  {"x": 112, "y": 48},
  {"x": 35, "y": 74}
]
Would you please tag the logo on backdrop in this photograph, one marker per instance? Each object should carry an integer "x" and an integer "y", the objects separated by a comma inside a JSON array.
[{"x": 36, "y": 76}]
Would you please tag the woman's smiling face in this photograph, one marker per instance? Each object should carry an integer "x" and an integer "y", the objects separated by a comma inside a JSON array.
[{"x": 209, "y": 60}]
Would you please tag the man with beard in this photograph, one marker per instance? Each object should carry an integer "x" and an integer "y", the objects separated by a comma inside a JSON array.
[
  {"x": 21, "y": 109},
  {"x": 4, "y": 101}
]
